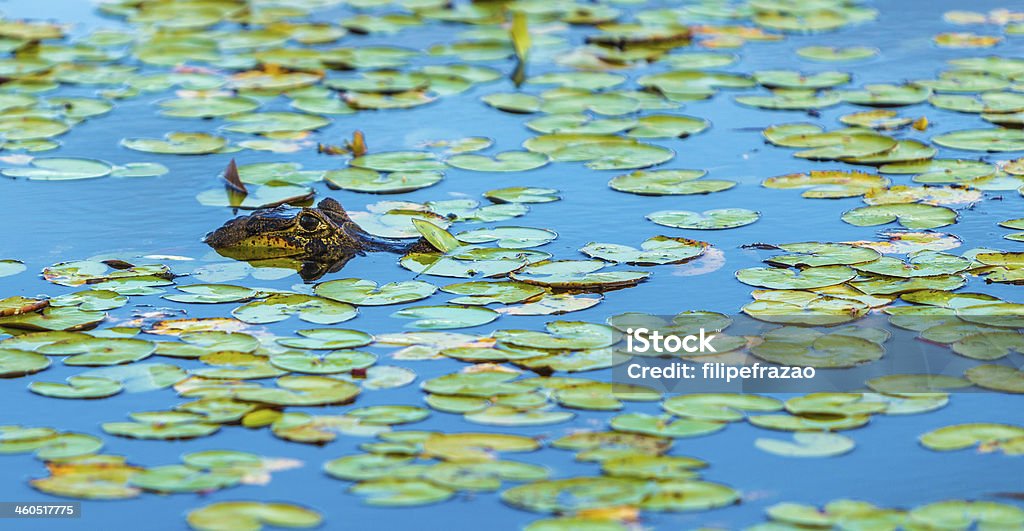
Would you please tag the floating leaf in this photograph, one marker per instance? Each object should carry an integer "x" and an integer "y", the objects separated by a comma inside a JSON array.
[
  {"x": 362, "y": 292},
  {"x": 177, "y": 144},
  {"x": 251, "y": 515},
  {"x": 60, "y": 169},
  {"x": 717, "y": 219},
  {"x": 446, "y": 317},
  {"x": 279, "y": 307},
  {"x": 909, "y": 215},
  {"x": 653, "y": 251}
]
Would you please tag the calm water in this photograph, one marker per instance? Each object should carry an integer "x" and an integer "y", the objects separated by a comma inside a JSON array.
[{"x": 50, "y": 222}]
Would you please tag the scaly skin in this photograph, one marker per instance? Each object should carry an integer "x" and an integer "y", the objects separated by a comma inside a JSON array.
[{"x": 317, "y": 239}]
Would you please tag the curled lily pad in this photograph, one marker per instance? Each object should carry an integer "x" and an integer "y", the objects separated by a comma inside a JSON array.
[{"x": 717, "y": 219}]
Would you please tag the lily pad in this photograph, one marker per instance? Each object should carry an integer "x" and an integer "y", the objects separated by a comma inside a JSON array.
[
  {"x": 717, "y": 219},
  {"x": 361, "y": 292}
]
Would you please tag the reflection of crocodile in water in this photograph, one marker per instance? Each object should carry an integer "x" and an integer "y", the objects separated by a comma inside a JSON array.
[{"x": 313, "y": 240}]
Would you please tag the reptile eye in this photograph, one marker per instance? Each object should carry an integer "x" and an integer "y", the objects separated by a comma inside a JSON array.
[{"x": 309, "y": 221}]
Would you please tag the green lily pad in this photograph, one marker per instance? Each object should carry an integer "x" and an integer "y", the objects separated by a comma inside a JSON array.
[
  {"x": 399, "y": 161},
  {"x": 828, "y": 184},
  {"x": 997, "y": 378},
  {"x": 522, "y": 194},
  {"x": 809, "y": 278},
  {"x": 361, "y": 292},
  {"x": 326, "y": 339},
  {"x": 181, "y": 478},
  {"x": 212, "y": 293},
  {"x": 717, "y": 219},
  {"x": 653, "y": 251},
  {"x": 577, "y": 274},
  {"x": 400, "y": 492},
  {"x": 882, "y": 95},
  {"x": 792, "y": 99},
  {"x": 667, "y": 126},
  {"x": 337, "y": 361},
  {"x": 991, "y": 140},
  {"x": 668, "y": 182},
  {"x": 909, "y": 215},
  {"x": 446, "y": 317},
  {"x": 78, "y": 387},
  {"x": 664, "y": 426},
  {"x": 482, "y": 293},
  {"x": 60, "y": 169},
  {"x": 509, "y": 237},
  {"x": 960, "y": 436},
  {"x": 251, "y": 516},
  {"x": 575, "y": 494},
  {"x": 10, "y": 267},
  {"x": 207, "y": 107},
  {"x": 15, "y": 363},
  {"x": 373, "y": 182},
  {"x": 508, "y": 161},
  {"x": 808, "y": 444},
  {"x": 308, "y": 308},
  {"x": 831, "y": 54},
  {"x": 263, "y": 123},
  {"x": 177, "y": 144},
  {"x": 100, "y": 351}
]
